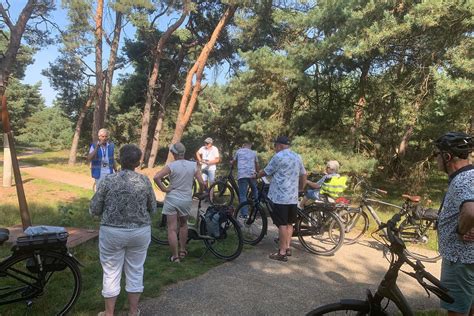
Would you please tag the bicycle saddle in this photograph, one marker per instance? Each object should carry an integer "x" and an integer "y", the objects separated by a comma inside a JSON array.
[
  {"x": 4, "y": 235},
  {"x": 413, "y": 198}
]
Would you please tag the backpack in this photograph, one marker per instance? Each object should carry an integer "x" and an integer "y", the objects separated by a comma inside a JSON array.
[{"x": 215, "y": 217}]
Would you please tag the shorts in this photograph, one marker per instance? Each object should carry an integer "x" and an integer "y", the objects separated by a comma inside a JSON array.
[
  {"x": 176, "y": 206},
  {"x": 208, "y": 175},
  {"x": 283, "y": 214},
  {"x": 459, "y": 279}
]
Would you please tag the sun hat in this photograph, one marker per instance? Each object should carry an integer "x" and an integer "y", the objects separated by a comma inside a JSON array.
[
  {"x": 208, "y": 140},
  {"x": 178, "y": 149}
]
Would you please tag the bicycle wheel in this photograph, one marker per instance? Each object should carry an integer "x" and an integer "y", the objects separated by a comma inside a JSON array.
[
  {"x": 319, "y": 231},
  {"x": 229, "y": 245},
  {"x": 159, "y": 230},
  {"x": 49, "y": 283},
  {"x": 421, "y": 239},
  {"x": 356, "y": 223},
  {"x": 346, "y": 307},
  {"x": 253, "y": 223},
  {"x": 221, "y": 193}
]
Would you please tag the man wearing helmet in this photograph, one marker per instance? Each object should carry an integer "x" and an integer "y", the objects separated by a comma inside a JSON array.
[{"x": 456, "y": 221}]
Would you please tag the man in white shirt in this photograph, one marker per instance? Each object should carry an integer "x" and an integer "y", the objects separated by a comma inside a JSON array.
[{"x": 208, "y": 157}]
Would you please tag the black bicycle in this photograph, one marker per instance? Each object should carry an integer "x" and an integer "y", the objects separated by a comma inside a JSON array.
[
  {"x": 41, "y": 273},
  {"x": 225, "y": 243},
  {"x": 388, "y": 288},
  {"x": 224, "y": 190},
  {"x": 319, "y": 230}
]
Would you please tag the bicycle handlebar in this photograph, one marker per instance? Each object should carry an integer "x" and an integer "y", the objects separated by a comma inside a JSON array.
[{"x": 397, "y": 246}]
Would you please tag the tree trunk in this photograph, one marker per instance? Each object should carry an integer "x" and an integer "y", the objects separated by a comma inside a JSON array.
[
  {"x": 152, "y": 80},
  {"x": 112, "y": 61},
  {"x": 359, "y": 108},
  {"x": 77, "y": 131},
  {"x": 191, "y": 91},
  {"x": 99, "y": 110},
  {"x": 16, "y": 32},
  {"x": 161, "y": 115}
]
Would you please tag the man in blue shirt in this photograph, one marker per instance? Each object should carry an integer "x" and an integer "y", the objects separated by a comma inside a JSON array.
[
  {"x": 456, "y": 221},
  {"x": 288, "y": 177}
]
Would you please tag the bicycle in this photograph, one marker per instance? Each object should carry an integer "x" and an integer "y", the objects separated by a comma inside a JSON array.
[
  {"x": 418, "y": 226},
  {"x": 224, "y": 189},
  {"x": 40, "y": 267},
  {"x": 320, "y": 231},
  {"x": 228, "y": 245},
  {"x": 388, "y": 286}
]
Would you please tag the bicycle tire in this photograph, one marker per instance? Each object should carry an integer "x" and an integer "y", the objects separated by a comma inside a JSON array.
[
  {"x": 253, "y": 226},
  {"x": 221, "y": 194},
  {"x": 418, "y": 232},
  {"x": 227, "y": 247},
  {"x": 345, "y": 307},
  {"x": 322, "y": 233},
  {"x": 356, "y": 224},
  {"x": 159, "y": 229},
  {"x": 49, "y": 285}
]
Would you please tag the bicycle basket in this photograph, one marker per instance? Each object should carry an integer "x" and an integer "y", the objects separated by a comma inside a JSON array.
[
  {"x": 48, "y": 264},
  {"x": 54, "y": 241},
  {"x": 215, "y": 217}
]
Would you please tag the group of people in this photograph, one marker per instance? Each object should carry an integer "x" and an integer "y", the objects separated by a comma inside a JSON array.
[{"x": 125, "y": 199}]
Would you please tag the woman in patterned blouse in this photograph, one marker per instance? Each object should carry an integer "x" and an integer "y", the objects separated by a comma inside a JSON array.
[{"x": 124, "y": 200}]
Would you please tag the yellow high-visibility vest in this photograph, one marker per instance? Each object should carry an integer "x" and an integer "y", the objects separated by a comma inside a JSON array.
[{"x": 334, "y": 187}]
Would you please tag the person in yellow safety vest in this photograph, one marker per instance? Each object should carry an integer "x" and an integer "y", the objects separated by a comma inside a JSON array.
[{"x": 332, "y": 184}]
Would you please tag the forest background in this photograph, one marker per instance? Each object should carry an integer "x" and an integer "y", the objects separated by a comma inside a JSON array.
[{"x": 369, "y": 83}]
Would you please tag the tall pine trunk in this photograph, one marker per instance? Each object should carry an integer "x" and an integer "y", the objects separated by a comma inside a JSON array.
[
  {"x": 162, "y": 111},
  {"x": 359, "y": 107},
  {"x": 112, "y": 61},
  {"x": 191, "y": 91},
  {"x": 99, "y": 110},
  {"x": 77, "y": 130},
  {"x": 150, "y": 93}
]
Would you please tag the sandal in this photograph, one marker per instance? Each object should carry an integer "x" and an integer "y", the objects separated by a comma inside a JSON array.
[
  {"x": 182, "y": 254},
  {"x": 278, "y": 256},
  {"x": 174, "y": 259},
  {"x": 288, "y": 252}
]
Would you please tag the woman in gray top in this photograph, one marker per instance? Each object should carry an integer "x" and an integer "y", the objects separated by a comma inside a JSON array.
[
  {"x": 124, "y": 200},
  {"x": 179, "y": 198}
]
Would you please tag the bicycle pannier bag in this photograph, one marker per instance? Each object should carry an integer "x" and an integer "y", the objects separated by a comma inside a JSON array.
[{"x": 215, "y": 217}]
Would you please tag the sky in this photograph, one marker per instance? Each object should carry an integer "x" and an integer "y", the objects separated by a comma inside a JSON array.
[{"x": 49, "y": 53}]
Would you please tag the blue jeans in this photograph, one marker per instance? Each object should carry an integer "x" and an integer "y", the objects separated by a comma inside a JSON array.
[{"x": 243, "y": 186}]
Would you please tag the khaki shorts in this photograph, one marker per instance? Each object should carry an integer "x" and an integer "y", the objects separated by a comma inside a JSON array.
[{"x": 175, "y": 206}]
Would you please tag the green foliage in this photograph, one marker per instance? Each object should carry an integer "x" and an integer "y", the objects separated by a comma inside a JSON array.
[
  {"x": 23, "y": 100},
  {"x": 47, "y": 129}
]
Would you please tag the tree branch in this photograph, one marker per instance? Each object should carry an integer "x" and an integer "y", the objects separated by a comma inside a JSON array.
[{"x": 6, "y": 18}]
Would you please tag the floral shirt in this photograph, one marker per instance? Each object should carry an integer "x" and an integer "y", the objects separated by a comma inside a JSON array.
[
  {"x": 285, "y": 168},
  {"x": 124, "y": 199},
  {"x": 460, "y": 190}
]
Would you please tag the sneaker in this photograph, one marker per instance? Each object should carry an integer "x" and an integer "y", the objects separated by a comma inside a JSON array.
[{"x": 279, "y": 257}]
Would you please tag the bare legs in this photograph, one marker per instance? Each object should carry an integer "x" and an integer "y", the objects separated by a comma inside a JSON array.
[
  {"x": 173, "y": 230},
  {"x": 133, "y": 299},
  {"x": 284, "y": 233}
]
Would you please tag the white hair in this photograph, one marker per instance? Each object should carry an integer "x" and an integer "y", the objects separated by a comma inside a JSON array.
[
  {"x": 103, "y": 130},
  {"x": 333, "y": 165}
]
